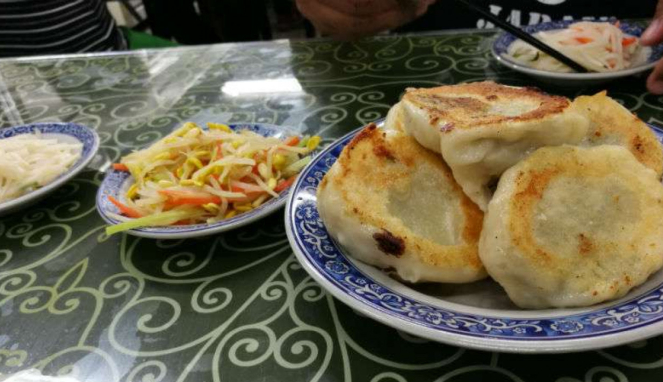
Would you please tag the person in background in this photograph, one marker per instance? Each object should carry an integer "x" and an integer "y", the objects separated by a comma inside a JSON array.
[
  {"x": 352, "y": 19},
  {"x": 35, "y": 27}
]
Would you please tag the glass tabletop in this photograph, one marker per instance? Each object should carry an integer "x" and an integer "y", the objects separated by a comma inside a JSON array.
[{"x": 77, "y": 304}]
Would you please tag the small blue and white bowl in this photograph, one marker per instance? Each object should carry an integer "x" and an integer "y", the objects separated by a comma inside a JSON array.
[
  {"x": 116, "y": 183},
  {"x": 501, "y": 45},
  {"x": 63, "y": 132}
]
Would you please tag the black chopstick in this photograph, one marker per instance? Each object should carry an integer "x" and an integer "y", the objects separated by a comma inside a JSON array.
[{"x": 525, "y": 36}]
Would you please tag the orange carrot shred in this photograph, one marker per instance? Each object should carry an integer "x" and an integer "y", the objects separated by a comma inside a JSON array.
[
  {"x": 285, "y": 184},
  {"x": 584, "y": 40},
  {"x": 292, "y": 141},
  {"x": 124, "y": 209},
  {"x": 120, "y": 167},
  {"x": 628, "y": 41}
]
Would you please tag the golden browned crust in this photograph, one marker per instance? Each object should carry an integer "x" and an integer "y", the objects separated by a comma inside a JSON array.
[
  {"x": 611, "y": 123},
  {"x": 573, "y": 226},
  {"x": 371, "y": 161},
  {"x": 530, "y": 185},
  {"x": 471, "y": 105},
  {"x": 366, "y": 133}
]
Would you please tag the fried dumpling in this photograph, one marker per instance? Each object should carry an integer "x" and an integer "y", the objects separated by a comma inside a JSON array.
[
  {"x": 394, "y": 119},
  {"x": 393, "y": 204},
  {"x": 572, "y": 226},
  {"x": 613, "y": 124},
  {"x": 483, "y": 128}
]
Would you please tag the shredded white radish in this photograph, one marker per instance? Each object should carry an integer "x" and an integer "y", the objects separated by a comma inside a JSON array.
[
  {"x": 31, "y": 161},
  {"x": 598, "y": 46}
]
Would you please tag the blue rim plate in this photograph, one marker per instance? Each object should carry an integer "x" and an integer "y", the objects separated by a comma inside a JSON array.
[
  {"x": 502, "y": 42},
  {"x": 63, "y": 132},
  {"x": 116, "y": 183},
  {"x": 371, "y": 292}
]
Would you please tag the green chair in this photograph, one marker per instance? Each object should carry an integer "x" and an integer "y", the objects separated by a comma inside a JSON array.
[{"x": 141, "y": 40}]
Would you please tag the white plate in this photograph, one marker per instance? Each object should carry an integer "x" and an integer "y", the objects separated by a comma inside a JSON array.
[
  {"x": 63, "y": 132},
  {"x": 116, "y": 184},
  {"x": 501, "y": 45},
  {"x": 477, "y": 315}
]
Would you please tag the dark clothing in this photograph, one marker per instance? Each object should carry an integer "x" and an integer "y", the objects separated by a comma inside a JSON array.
[
  {"x": 32, "y": 27},
  {"x": 218, "y": 21},
  {"x": 446, "y": 14}
]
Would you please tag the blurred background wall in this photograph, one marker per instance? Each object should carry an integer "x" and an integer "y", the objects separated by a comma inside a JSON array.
[{"x": 154, "y": 23}]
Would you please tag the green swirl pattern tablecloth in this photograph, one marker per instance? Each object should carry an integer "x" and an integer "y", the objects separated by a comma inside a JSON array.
[{"x": 234, "y": 307}]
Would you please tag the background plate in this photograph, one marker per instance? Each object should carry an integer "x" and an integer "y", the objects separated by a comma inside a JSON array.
[
  {"x": 116, "y": 184},
  {"x": 501, "y": 45},
  {"x": 63, "y": 132}
]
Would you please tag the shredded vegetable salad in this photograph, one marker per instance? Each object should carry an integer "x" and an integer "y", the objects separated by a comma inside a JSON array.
[
  {"x": 598, "y": 46},
  {"x": 195, "y": 176},
  {"x": 31, "y": 161}
]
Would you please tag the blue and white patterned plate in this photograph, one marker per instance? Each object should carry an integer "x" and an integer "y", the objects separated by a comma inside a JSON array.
[
  {"x": 476, "y": 315},
  {"x": 116, "y": 184},
  {"x": 501, "y": 46},
  {"x": 63, "y": 132}
]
